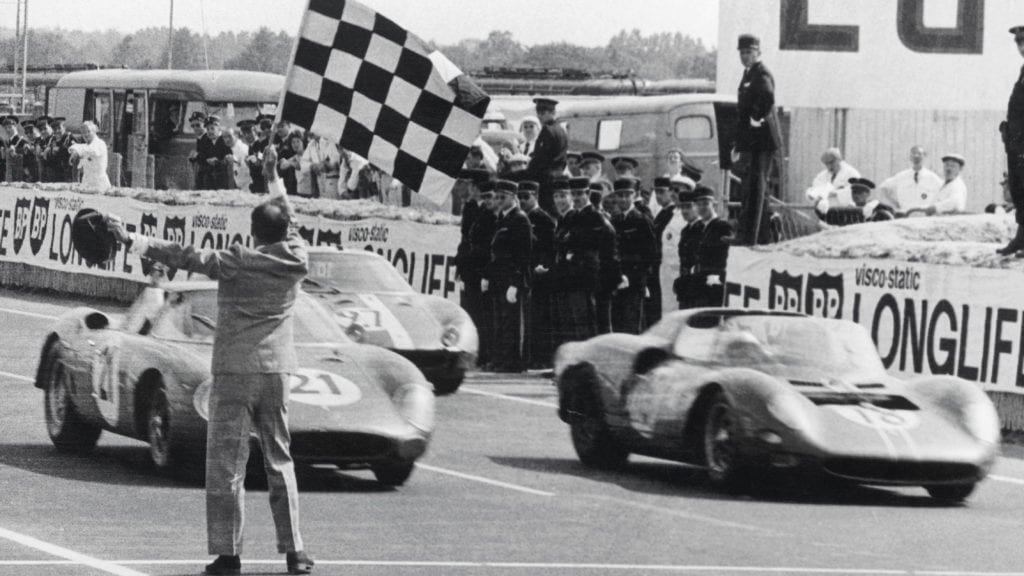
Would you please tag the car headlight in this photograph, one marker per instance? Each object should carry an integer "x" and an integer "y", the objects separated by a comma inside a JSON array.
[
  {"x": 201, "y": 398},
  {"x": 981, "y": 421},
  {"x": 461, "y": 335},
  {"x": 356, "y": 332},
  {"x": 790, "y": 411},
  {"x": 450, "y": 337}
]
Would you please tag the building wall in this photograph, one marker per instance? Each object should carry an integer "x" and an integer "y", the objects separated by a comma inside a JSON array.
[{"x": 877, "y": 143}]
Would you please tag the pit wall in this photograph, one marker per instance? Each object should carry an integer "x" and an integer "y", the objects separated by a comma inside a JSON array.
[
  {"x": 36, "y": 250},
  {"x": 926, "y": 319}
]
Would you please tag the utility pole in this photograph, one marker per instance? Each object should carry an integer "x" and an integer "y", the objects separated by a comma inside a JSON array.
[
  {"x": 170, "y": 39},
  {"x": 24, "y": 60},
  {"x": 14, "y": 60}
]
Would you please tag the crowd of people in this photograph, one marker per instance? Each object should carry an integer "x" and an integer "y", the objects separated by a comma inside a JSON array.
[{"x": 42, "y": 151}]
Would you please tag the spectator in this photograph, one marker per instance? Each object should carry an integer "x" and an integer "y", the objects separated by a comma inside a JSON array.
[
  {"x": 592, "y": 167},
  {"x": 257, "y": 152},
  {"x": 830, "y": 187},
  {"x": 529, "y": 128},
  {"x": 518, "y": 163},
  {"x": 10, "y": 149},
  {"x": 952, "y": 196},
  {"x": 322, "y": 160},
  {"x": 59, "y": 152},
  {"x": 872, "y": 210},
  {"x": 197, "y": 122},
  {"x": 285, "y": 167},
  {"x": 572, "y": 164},
  {"x": 674, "y": 161},
  {"x": 625, "y": 167},
  {"x": 30, "y": 168},
  {"x": 91, "y": 159},
  {"x": 235, "y": 162},
  {"x": 547, "y": 161},
  {"x": 914, "y": 187}
]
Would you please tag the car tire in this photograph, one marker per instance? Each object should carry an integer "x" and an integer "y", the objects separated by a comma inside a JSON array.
[
  {"x": 721, "y": 427},
  {"x": 447, "y": 385},
  {"x": 393, "y": 473},
  {"x": 591, "y": 437},
  {"x": 159, "y": 431},
  {"x": 950, "y": 493},
  {"x": 67, "y": 430}
]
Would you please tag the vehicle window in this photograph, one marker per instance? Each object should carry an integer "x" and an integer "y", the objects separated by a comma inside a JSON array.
[
  {"x": 696, "y": 343},
  {"x": 693, "y": 128},
  {"x": 231, "y": 113},
  {"x": 68, "y": 103},
  {"x": 100, "y": 111},
  {"x": 354, "y": 273},
  {"x": 188, "y": 316},
  {"x": 609, "y": 134},
  {"x": 167, "y": 117}
]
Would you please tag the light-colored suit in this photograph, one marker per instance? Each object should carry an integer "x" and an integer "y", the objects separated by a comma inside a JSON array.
[{"x": 253, "y": 355}]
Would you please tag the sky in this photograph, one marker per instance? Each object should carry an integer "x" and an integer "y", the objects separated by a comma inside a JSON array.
[{"x": 582, "y": 22}]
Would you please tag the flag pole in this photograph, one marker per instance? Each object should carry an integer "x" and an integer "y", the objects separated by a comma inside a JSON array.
[{"x": 291, "y": 64}]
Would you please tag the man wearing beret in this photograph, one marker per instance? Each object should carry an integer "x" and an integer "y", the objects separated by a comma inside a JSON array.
[
  {"x": 507, "y": 278},
  {"x": 637, "y": 256},
  {"x": 1013, "y": 140},
  {"x": 547, "y": 161},
  {"x": 757, "y": 139}
]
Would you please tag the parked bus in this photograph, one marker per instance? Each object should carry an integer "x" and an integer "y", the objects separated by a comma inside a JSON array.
[{"x": 145, "y": 112}]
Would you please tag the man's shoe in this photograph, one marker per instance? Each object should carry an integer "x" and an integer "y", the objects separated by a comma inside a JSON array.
[
  {"x": 1013, "y": 247},
  {"x": 224, "y": 566},
  {"x": 299, "y": 563}
]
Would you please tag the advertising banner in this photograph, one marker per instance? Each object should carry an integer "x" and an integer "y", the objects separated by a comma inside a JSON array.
[
  {"x": 925, "y": 319},
  {"x": 35, "y": 229},
  {"x": 878, "y": 54}
]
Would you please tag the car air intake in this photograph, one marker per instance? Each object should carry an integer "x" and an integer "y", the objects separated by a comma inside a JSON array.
[{"x": 886, "y": 401}]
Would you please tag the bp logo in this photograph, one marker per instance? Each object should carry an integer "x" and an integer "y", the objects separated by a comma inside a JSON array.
[
  {"x": 816, "y": 294},
  {"x": 326, "y": 389}
]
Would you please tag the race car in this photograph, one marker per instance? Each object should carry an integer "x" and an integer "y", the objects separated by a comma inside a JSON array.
[
  {"x": 374, "y": 304},
  {"x": 146, "y": 375},
  {"x": 742, "y": 392}
]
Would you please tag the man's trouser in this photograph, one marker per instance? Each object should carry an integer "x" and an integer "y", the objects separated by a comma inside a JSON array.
[
  {"x": 627, "y": 309},
  {"x": 753, "y": 220},
  {"x": 1015, "y": 176},
  {"x": 239, "y": 405},
  {"x": 507, "y": 353},
  {"x": 603, "y": 311},
  {"x": 652, "y": 304},
  {"x": 539, "y": 328},
  {"x": 574, "y": 317}
]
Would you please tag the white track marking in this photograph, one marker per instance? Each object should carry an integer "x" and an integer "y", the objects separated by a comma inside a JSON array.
[
  {"x": 680, "y": 514},
  {"x": 76, "y": 557},
  {"x": 29, "y": 314},
  {"x": 483, "y": 480},
  {"x": 16, "y": 376},
  {"x": 1006, "y": 479},
  {"x": 507, "y": 397}
]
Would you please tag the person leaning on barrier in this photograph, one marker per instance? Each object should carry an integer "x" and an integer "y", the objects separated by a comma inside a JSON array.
[
  {"x": 42, "y": 144},
  {"x": 253, "y": 358},
  {"x": 914, "y": 187},
  {"x": 831, "y": 186},
  {"x": 58, "y": 153},
  {"x": 91, "y": 159},
  {"x": 197, "y": 121},
  {"x": 12, "y": 163},
  {"x": 871, "y": 210},
  {"x": 952, "y": 195},
  {"x": 507, "y": 278},
  {"x": 255, "y": 160}
]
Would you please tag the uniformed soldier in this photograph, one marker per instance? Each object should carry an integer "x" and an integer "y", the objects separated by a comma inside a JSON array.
[
  {"x": 572, "y": 163},
  {"x": 58, "y": 153},
  {"x": 466, "y": 270},
  {"x": 14, "y": 141},
  {"x": 712, "y": 251},
  {"x": 547, "y": 161},
  {"x": 637, "y": 256},
  {"x": 42, "y": 144},
  {"x": 562, "y": 199},
  {"x": 1012, "y": 130},
  {"x": 625, "y": 167},
  {"x": 26, "y": 149},
  {"x": 871, "y": 210},
  {"x": 197, "y": 122},
  {"x": 507, "y": 278},
  {"x": 610, "y": 278},
  {"x": 689, "y": 240},
  {"x": 592, "y": 166},
  {"x": 256, "y": 151},
  {"x": 540, "y": 344},
  {"x": 474, "y": 272},
  {"x": 577, "y": 269},
  {"x": 666, "y": 198}
]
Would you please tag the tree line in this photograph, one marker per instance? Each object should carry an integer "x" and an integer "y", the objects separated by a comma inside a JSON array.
[{"x": 655, "y": 56}]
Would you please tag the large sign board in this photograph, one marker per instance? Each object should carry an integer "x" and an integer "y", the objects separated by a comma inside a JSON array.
[
  {"x": 925, "y": 319},
  {"x": 878, "y": 54}
]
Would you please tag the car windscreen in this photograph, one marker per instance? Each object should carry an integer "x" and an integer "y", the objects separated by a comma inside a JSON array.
[
  {"x": 354, "y": 273},
  {"x": 193, "y": 316},
  {"x": 774, "y": 344}
]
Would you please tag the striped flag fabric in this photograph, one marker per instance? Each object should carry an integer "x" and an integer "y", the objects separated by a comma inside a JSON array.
[{"x": 365, "y": 82}]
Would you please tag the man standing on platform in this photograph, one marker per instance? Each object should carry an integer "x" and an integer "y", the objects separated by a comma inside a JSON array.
[
  {"x": 757, "y": 139},
  {"x": 1013, "y": 139},
  {"x": 547, "y": 161}
]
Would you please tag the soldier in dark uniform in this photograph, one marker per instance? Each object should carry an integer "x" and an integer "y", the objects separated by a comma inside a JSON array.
[
  {"x": 42, "y": 145},
  {"x": 1013, "y": 139},
  {"x": 689, "y": 240},
  {"x": 255, "y": 158},
  {"x": 542, "y": 233},
  {"x": 197, "y": 122},
  {"x": 572, "y": 163},
  {"x": 610, "y": 278},
  {"x": 481, "y": 233},
  {"x": 576, "y": 272},
  {"x": 211, "y": 169},
  {"x": 285, "y": 152},
  {"x": 507, "y": 278},
  {"x": 14, "y": 141},
  {"x": 712, "y": 251},
  {"x": 466, "y": 270},
  {"x": 26, "y": 149},
  {"x": 547, "y": 161},
  {"x": 666, "y": 198},
  {"x": 757, "y": 139},
  {"x": 58, "y": 152},
  {"x": 637, "y": 256},
  {"x": 872, "y": 210}
]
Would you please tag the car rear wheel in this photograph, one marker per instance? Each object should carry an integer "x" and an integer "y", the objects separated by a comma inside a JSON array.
[
  {"x": 591, "y": 437},
  {"x": 721, "y": 430},
  {"x": 950, "y": 493},
  {"x": 67, "y": 430},
  {"x": 393, "y": 473},
  {"x": 158, "y": 430}
]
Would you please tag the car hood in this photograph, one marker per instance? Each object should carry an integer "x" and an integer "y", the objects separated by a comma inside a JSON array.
[{"x": 396, "y": 320}]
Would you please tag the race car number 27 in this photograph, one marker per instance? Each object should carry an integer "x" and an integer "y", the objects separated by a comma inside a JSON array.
[{"x": 319, "y": 388}]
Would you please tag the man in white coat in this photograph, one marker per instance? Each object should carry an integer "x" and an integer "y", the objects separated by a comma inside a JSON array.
[
  {"x": 952, "y": 196},
  {"x": 831, "y": 187},
  {"x": 914, "y": 187},
  {"x": 91, "y": 158}
]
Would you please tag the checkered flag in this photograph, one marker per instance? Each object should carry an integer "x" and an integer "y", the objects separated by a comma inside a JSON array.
[{"x": 360, "y": 79}]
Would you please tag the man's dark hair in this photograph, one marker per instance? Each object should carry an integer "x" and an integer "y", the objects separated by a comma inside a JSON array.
[{"x": 269, "y": 223}]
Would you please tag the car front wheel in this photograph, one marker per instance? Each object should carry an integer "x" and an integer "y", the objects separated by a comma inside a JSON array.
[
  {"x": 449, "y": 383},
  {"x": 721, "y": 431},
  {"x": 158, "y": 430},
  {"x": 950, "y": 493},
  {"x": 67, "y": 430},
  {"x": 591, "y": 437},
  {"x": 393, "y": 473}
]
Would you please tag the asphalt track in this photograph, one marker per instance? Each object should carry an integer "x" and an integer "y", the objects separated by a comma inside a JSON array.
[{"x": 499, "y": 493}]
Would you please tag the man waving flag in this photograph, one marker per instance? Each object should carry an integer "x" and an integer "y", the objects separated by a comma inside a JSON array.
[{"x": 360, "y": 79}]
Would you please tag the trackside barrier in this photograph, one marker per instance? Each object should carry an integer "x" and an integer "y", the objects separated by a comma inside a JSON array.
[
  {"x": 926, "y": 319},
  {"x": 36, "y": 249}
]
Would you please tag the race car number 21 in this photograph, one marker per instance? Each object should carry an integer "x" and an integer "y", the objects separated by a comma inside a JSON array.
[{"x": 319, "y": 388}]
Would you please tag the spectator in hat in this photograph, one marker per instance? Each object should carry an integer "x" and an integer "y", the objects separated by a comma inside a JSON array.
[
  {"x": 757, "y": 140},
  {"x": 286, "y": 168},
  {"x": 234, "y": 163},
  {"x": 529, "y": 129},
  {"x": 914, "y": 187},
  {"x": 547, "y": 161},
  {"x": 625, "y": 167},
  {"x": 42, "y": 142},
  {"x": 678, "y": 251},
  {"x": 562, "y": 199},
  {"x": 467, "y": 269},
  {"x": 540, "y": 344},
  {"x": 13, "y": 172},
  {"x": 57, "y": 156},
  {"x": 572, "y": 163},
  {"x": 322, "y": 161},
  {"x": 473, "y": 269},
  {"x": 637, "y": 258},
  {"x": 91, "y": 159},
  {"x": 213, "y": 164},
  {"x": 592, "y": 167},
  {"x": 665, "y": 195},
  {"x": 518, "y": 163},
  {"x": 26, "y": 151},
  {"x": 712, "y": 253},
  {"x": 871, "y": 210},
  {"x": 507, "y": 278},
  {"x": 197, "y": 121},
  {"x": 952, "y": 196},
  {"x": 831, "y": 186},
  {"x": 255, "y": 160},
  {"x": 1012, "y": 130}
]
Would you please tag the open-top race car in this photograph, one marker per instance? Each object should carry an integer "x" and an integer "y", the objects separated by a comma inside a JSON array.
[
  {"x": 147, "y": 376},
  {"x": 374, "y": 304},
  {"x": 742, "y": 392}
]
